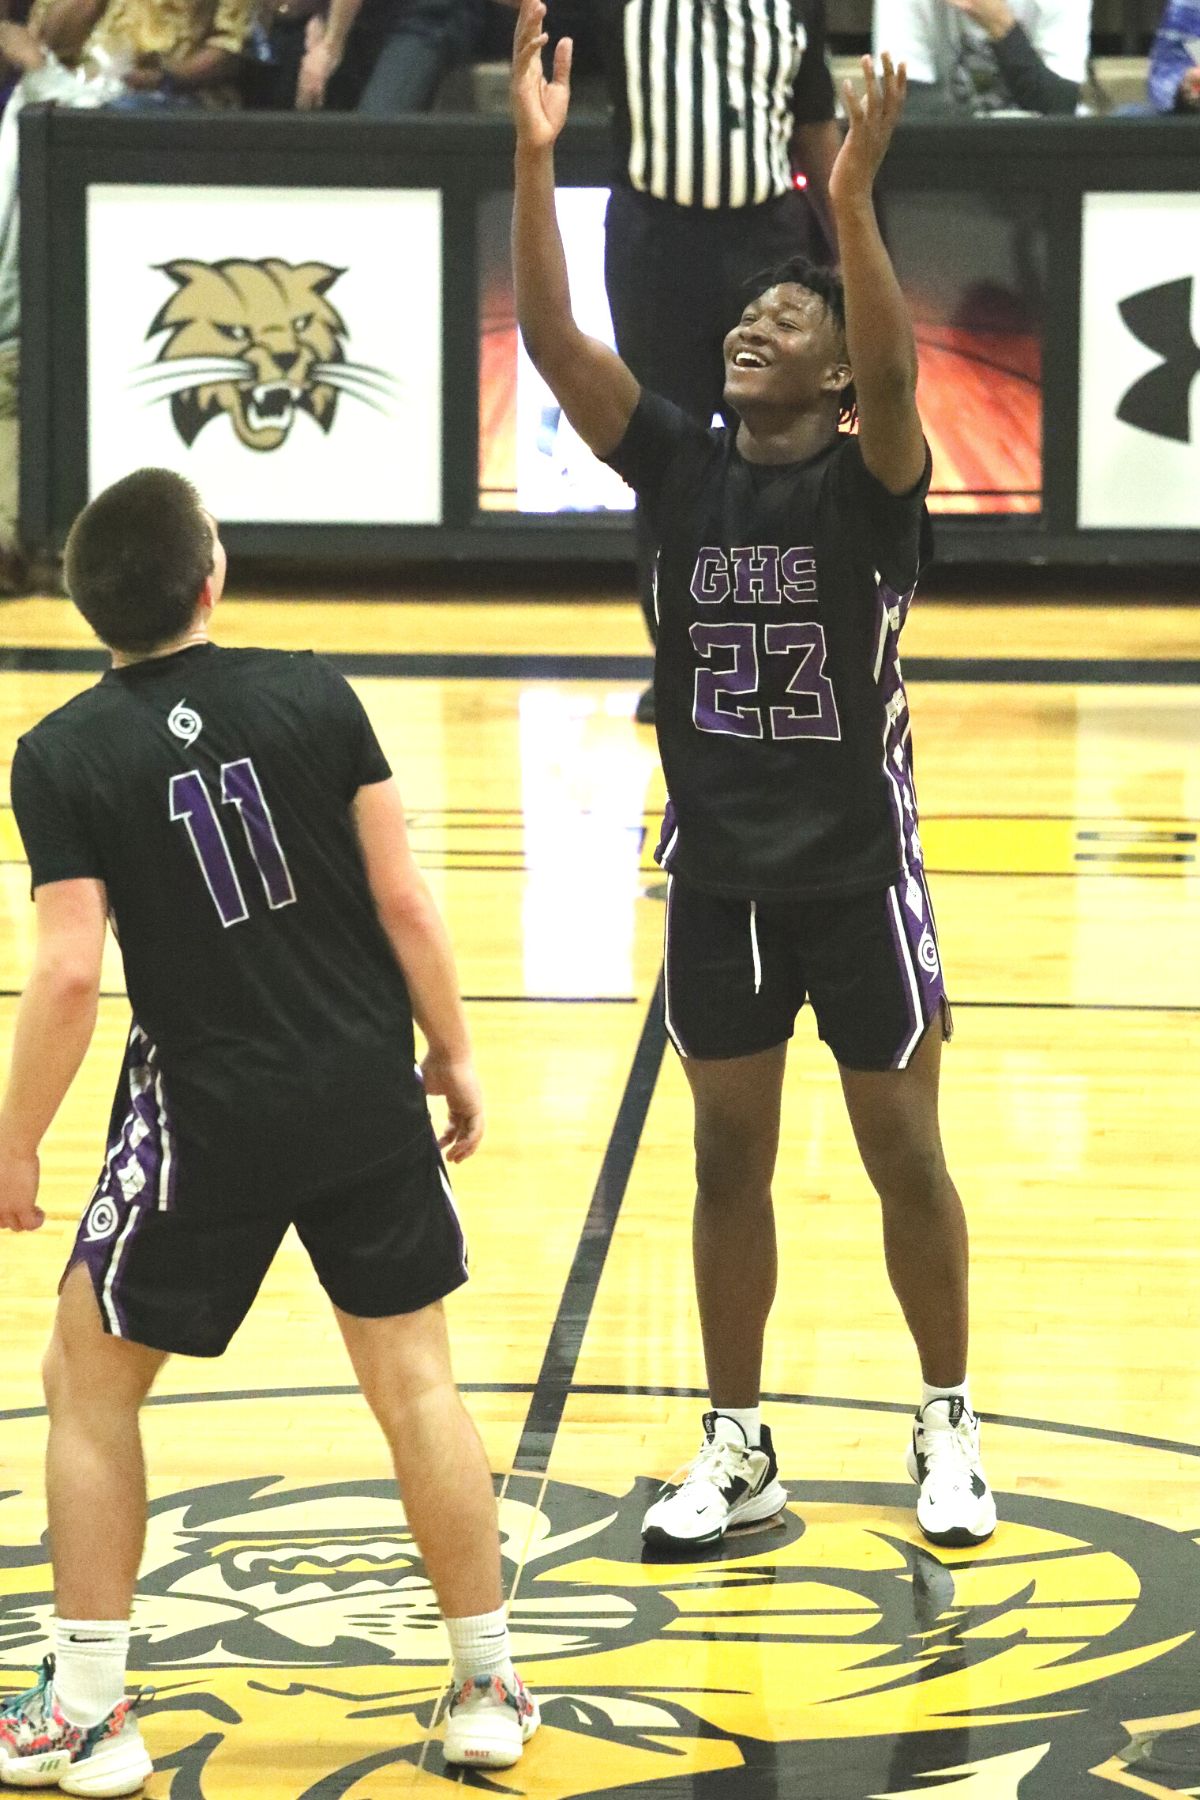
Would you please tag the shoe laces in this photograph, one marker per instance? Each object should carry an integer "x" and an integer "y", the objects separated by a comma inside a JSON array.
[
  {"x": 717, "y": 1461},
  {"x": 948, "y": 1444},
  {"x": 482, "y": 1687},
  {"x": 35, "y": 1705}
]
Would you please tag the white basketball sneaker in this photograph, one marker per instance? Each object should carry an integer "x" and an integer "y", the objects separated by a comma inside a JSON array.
[
  {"x": 727, "y": 1483},
  {"x": 490, "y": 1724},
  {"x": 955, "y": 1506}
]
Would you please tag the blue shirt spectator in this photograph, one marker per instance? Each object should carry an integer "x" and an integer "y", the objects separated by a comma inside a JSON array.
[{"x": 1175, "y": 59}]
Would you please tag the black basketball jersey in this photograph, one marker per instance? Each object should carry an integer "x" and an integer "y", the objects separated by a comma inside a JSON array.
[
  {"x": 782, "y": 717},
  {"x": 211, "y": 792}
]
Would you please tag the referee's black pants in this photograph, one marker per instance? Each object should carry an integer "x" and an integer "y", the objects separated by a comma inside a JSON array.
[{"x": 675, "y": 277}]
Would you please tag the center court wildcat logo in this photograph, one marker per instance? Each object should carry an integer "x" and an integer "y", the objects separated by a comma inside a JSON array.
[
  {"x": 257, "y": 343},
  {"x": 853, "y": 1661},
  {"x": 1160, "y": 401}
]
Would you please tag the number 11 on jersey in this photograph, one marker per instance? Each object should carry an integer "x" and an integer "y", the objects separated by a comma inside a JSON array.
[{"x": 192, "y": 804}]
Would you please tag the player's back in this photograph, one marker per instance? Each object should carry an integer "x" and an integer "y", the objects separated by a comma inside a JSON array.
[{"x": 212, "y": 792}]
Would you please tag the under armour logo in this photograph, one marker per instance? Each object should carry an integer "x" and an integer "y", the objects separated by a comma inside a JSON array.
[
  {"x": 185, "y": 723},
  {"x": 1160, "y": 401}
]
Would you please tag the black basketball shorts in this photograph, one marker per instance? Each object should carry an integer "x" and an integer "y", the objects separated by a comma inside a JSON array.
[
  {"x": 737, "y": 972},
  {"x": 175, "y": 1269}
]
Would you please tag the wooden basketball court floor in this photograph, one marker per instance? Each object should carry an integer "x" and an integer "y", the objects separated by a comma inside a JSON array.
[{"x": 282, "y": 1614}]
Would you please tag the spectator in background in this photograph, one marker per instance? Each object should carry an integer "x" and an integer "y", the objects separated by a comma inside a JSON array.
[
  {"x": 40, "y": 79},
  {"x": 1175, "y": 59},
  {"x": 972, "y": 57},
  {"x": 170, "y": 51},
  {"x": 379, "y": 57}
]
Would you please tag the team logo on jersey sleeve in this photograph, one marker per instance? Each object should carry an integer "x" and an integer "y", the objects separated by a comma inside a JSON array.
[
  {"x": 257, "y": 343},
  {"x": 291, "y": 1626}
]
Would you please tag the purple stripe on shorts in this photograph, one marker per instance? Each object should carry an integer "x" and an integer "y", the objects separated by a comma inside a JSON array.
[
  {"x": 131, "y": 1182},
  {"x": 920, "y": 960}
]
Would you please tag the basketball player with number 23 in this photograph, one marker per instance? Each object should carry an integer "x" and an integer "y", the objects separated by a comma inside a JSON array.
[
  {"x": 790, "y": 552},
  {"x": 233, "y": 812}
]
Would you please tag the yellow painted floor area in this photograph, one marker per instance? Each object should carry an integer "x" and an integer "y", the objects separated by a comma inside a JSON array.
[{"x": 282, "y": 1613}]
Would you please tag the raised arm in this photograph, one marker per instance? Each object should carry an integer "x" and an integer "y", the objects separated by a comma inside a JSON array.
[
  {"x": 595, "y": 389},
  {"x": 879, "y": 334}
]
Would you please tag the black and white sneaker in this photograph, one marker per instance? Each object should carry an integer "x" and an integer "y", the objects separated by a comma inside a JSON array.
[
  {"x": 955, "y": 1506},
  {"x": 727, "y": 1483}
]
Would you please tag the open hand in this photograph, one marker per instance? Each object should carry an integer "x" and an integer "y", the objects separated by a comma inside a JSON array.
[
  {"x": 873, "y": 118},
  {"x": 539, "y": 106},
  {"x": 19, "y": 1176},
  {"x": 459, "y": 1084}
]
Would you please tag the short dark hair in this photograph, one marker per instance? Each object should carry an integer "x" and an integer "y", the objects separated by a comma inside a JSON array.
[
  {"x": 826, "y": 284},
  {"x": 137, "y": 559}
]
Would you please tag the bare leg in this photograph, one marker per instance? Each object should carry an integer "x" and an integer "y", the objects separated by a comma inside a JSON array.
[
  {"x": 733, "y": 1232},
  {"x": 95, "y": 1472},
  {"x": 403, "y": 1368},
  {"x": 895, "y": 1119}
]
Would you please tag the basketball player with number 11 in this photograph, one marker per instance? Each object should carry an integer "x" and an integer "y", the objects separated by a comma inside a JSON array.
[
  {"x": 234, "y": 814},
  {"x": 790, "y": 551}
]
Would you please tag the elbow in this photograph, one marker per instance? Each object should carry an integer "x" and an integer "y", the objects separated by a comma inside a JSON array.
[
  {"x": 405, "y": 910},
  {"x": 896, "y": 386},
  {"x": 67, "y": 985}
]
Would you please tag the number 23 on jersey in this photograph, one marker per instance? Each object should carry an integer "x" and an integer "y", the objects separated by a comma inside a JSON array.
[{"x": 743, "y": 655}]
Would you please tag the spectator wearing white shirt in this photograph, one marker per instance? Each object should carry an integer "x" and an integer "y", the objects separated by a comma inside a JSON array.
[{"x": 972, "y": 57}]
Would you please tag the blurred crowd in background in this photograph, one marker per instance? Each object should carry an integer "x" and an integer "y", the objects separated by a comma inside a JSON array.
[{"x": 392, "y": 57}]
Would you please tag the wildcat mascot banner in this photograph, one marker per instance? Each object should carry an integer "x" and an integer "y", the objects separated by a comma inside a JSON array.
[{"x": 281, "y": 347}]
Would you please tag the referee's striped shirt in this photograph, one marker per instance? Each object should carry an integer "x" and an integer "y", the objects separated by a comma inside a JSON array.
[{"x": 707, "y": 94}]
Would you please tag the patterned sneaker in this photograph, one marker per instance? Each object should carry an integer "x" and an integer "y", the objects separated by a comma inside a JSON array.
[
  {"x": 726, "y": 1484},
  {"x": 490, "y": 1724},
  {"x": 41, "y": 1749},
  {"x": 956, "y": 1506}
]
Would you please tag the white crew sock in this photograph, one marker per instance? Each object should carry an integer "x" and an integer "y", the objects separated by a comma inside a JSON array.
[
  {"x": 748, "y": 1417},
  {"x": 480, "y": 1648},
  {"x": 962, "y": 1390},
  {"x": 89, "y": 1667}
]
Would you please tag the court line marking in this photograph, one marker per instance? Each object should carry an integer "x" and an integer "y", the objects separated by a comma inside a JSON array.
[
  {"x": 575, "y": 666},
  {"x": 467, "y": 999},
  {"x": 616, "y": 1390},
  {"x": 1117, "y": 1006},
  {"x": 556, "y": 1376}
]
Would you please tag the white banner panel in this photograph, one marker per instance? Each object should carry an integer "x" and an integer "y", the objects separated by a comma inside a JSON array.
[
  {"x": 1139, "y": 399},
  {"x": 281, "y": 347},
  {"x": 556, "y": 472}
]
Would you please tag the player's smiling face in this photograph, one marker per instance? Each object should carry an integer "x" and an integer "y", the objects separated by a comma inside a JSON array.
[{"x": 786, "y": 350}]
